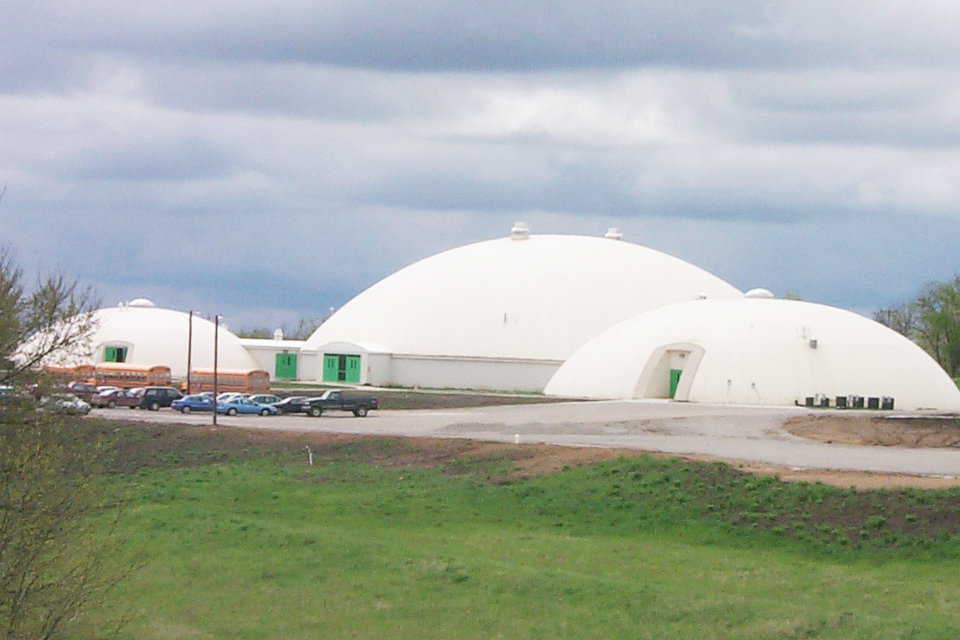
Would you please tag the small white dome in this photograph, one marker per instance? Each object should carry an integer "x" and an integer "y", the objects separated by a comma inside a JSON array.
[
  {"x": 155, "y": 336},
  {"x": 761, "y": 352},
  {"x": 141, "y": 302},
  {"x": 759, "y": 293}
]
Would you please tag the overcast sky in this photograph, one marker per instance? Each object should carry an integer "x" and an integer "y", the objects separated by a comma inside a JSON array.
[{"x": 271, "y": 160}]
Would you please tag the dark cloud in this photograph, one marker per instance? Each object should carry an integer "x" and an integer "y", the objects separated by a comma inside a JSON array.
[{"x": 271, "y": 161}]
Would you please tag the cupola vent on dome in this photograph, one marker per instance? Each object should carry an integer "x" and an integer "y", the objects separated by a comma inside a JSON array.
[
  {"x": 613, "y": 233},
  {"x": 141, "y": 302},
  {"x": 520, "y": 231},
  {"x": 759, "y": 293}
]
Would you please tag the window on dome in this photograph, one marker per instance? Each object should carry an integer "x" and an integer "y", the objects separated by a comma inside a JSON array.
[{"x": 115, "y": 354}]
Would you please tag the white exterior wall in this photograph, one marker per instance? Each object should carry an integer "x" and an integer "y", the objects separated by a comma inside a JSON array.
[
  {"x": 757, "y": 351},
  {"x": 471, "y": 373},
  {"x": 264, "y": 352}
]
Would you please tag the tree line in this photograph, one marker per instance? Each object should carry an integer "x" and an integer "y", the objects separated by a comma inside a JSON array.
[{"x": 932, "y": 320}]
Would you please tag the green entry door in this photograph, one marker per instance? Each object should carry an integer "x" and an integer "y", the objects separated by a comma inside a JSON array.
[
  {"x": 339, "y": 367},
  {"x": 286, "y": 366},
  {"x": 352, "y": 373},
  {"x": 674, "y": 381}
]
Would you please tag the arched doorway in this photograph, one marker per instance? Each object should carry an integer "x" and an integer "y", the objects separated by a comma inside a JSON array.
[{"x": 669, "y": 372}]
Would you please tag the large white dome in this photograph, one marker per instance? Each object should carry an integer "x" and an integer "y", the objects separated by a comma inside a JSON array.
[
  {"x": 755, "y": 351},
  {"x": 155, "y": 336},
  {"x": 536, "y": 297}
]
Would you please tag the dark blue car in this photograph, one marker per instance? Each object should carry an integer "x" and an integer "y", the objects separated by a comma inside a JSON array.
[{"x": 196, "y": 402}]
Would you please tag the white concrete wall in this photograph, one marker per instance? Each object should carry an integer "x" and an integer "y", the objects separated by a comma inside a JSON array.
[
  {"x": 471, "y": 373},
  {"x": 265, "y": 359}
]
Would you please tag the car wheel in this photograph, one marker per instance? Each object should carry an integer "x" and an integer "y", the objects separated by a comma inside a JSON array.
[
  {"x": 264, "y": 412},
  {"x": 111, "y": 405},
  {"x": 184, "y": 409},
  {"x": 133, "y": 406},
  {"x": 360, "y": 412},
  {"x": 154, "y": 406},
  {"x": 231, "y": 411},
  {"x": 316, "y": 412}
]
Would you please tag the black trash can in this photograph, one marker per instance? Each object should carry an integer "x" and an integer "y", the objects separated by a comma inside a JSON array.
[
  {"x": 858, "y": 402},
  {"x": 887, "y": 403},
  {"x": 841, "y": 402},
  {"x": 873, "y": 403}
]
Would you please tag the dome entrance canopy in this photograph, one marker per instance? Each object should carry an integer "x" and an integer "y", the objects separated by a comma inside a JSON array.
[{"x": 540, "y": 299}]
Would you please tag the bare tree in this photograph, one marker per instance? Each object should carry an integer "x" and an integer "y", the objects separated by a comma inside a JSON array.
[
  {"x": 901, "y": 318},
  {"x": 54, "y": 318},
  {"x": 58, "y": 548}
]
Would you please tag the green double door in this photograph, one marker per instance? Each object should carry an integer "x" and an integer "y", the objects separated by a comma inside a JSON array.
[
  {"x": 285, "y": 367},
  {"x": 341, "y": 368}
]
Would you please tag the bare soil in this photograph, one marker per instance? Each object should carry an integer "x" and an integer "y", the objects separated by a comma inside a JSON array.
[{"x": 919, "y": 432}]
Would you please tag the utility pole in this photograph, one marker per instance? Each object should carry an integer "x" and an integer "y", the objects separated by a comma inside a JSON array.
[
  {"x": 189, "y": 349},
  {"x": 216, "y": 340}
]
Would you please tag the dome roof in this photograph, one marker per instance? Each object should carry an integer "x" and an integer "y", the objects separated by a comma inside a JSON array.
[
  {"x": 756, "y": 351},
  {"x": 529, "y": 296},
  {"x": 156, "y": 336}
]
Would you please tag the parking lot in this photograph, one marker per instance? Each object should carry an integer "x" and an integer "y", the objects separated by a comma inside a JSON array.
[{"x": 735, "y": 433}]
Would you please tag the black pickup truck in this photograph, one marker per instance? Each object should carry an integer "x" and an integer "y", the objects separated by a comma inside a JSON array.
[{"x": 338, "y": 401}]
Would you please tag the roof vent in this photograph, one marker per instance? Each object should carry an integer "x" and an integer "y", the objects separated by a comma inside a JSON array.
[
  {"x": 278, "y": 334},
  {"x": 759, "y": 293},
  {"x": 613, "y": 233},
  {"x": 141, "y": 302},
  {"x": 520, "y": 231}
]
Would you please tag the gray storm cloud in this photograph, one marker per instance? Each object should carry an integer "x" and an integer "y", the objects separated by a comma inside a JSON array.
[{"x": 282, "y": 158}]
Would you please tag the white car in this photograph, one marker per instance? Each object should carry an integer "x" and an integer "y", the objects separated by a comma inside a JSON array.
[{"x": 64, "y": 403}]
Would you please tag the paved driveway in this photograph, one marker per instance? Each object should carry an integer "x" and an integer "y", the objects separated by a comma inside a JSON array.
[{"x": 741, "y": 433}]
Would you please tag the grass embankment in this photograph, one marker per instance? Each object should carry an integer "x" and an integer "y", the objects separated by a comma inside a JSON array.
[{"x": 381, "y": 540}]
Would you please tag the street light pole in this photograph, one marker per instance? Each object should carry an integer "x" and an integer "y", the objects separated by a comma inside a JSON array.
[
  {"x": 189, "y": 349},
  {"x": 216, "y": 340}
]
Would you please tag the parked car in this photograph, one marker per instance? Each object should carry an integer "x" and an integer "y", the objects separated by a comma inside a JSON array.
[
  {"x": 153, "y": 398},
  {"x": 337, "y": 401},
  {"x": 197, "y": 402},
  {"x": 64, "y": 403},
  {"x": 115, "y": 398},
  {"x": 105, "y": 387},
  {"x": 229, "y": 396},
  {"x": 243, "y": 405},
  {"x": 293, "y": 404},
  {"x": 264, "y": 398},
  {"x": 83, "y": 390}
]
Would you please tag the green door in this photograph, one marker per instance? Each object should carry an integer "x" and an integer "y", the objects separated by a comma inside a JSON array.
[
  {"x": 110, "y": 354},
  {"x": 674, "y": 381},
  {"x": 353, "y": 369},
  {"x": 339, "y": 367},
  {"x": 286, "y": 366},
  {"x": 331, "y": 367}
]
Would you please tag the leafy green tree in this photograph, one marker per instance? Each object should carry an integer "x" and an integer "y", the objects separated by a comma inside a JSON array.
[{"x": 937, "y": 311}]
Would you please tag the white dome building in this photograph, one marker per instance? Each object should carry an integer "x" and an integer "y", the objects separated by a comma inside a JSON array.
[
  {"x": 146, "y": 335},
  {"x": 501, "y": 314},
  {"x": 755, "y": 351}
]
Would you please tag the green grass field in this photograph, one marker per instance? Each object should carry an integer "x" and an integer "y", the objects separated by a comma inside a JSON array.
[{"x": 260, "y": 545}]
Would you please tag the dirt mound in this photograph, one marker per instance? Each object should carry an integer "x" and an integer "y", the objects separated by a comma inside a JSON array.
[{"x": 919, "y": 432}]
